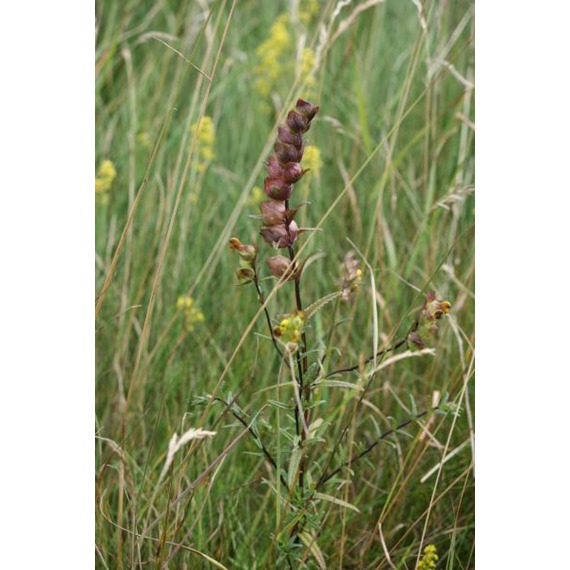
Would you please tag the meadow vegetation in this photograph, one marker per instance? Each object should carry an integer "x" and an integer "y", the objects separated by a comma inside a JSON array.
[{"x": 201, "y": 454}]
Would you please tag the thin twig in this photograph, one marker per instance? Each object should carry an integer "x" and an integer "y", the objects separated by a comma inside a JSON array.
[
  {"x": 267, "y": 316},
  {"x": 268, "y": 455},
  {"x": 380, "y": 353},
  {"x": 370, "y": 447}
]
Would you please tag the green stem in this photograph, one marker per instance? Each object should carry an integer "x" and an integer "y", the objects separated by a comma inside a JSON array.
[{"x": 261, "y": 297}]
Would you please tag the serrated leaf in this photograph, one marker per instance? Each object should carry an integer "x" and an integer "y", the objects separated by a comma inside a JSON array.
[
  {"x": 318, "y": 305},
  {"x": 336, "y": 501}
]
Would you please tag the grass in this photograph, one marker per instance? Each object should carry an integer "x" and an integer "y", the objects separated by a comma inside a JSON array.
[{"x": 396, "y": 137}]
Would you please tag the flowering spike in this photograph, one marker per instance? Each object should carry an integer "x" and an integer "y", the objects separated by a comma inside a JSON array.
[{"x": 425, "y": 328}]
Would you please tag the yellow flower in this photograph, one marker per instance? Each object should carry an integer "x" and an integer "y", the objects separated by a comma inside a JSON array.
[
  {"x": 309, "y": 9},
  {"x": 306, "y": 72},
  {"x": 143, "y": 139},
  {"x": 312, "y": 159},
  {"x": 206, "y": 133},
  {"x": 270, "y": 54},
  {"x": 429, "y": 559},
  {"x": 290, "y": 329},
  {"x": 104, "y": 181},
  {"x": 256, "y": 196},
  {"x": 192, "y": 314},
  {"x": 308, "y": 60}
]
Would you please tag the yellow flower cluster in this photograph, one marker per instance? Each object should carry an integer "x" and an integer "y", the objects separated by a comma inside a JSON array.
[
  {"x": 290, "y": 329},
  {"x": 307, "y": 73},
  {"x": 312, "y": 159},
  {"x": 270, "y": 53},
  {"x": 276, "y": 55},
  {"x": 192, "y": 314},
  {"x": 429, "y": 558},
  {"x": 206, "y": 133},
  {"x": 143, "y": 139},
  {"x": 352, "y": 275},
  {"x": 104, "y": 181},
  {"x": 256, "y": 197}
]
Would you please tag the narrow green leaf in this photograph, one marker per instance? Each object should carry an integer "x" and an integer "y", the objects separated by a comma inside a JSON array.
[
  {"x": 314, "y": 549},
  {"x": 338, "y": 384},
  {"x": 336, "y": 501}
]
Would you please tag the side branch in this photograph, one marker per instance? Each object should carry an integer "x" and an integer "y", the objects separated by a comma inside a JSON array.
[
  {"x": 255, "y": 436},
  {"x": 325, "y": 477},
  {"x": 380, "y": 353}
]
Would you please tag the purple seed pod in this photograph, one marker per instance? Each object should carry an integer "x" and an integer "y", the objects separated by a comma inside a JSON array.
[
  {"x": 280, "y": 236},
  {"x": 272, "y": 212},
  {"x": 296, "y": 122},
  {"x": 280, "y": 266},
  {"x": 277, "y": 188},
  {"x": 287, "y": 136},
  {"x": 274, "y": 167},
  {"x": 293, "y": 172},
  {"x": 308, "y": 110},
  {"x": 287, "y": 152}
]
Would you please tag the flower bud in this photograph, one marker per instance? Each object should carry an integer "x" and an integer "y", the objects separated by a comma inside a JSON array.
[
  {"x": 245, "y": 275},
  {"x": 280, "y": 236},
  {"x": 247, "y": 252},
  {"x": 425, "y": 328},
  {"x": 281, "y": 266},
  {"x": 277, "y": 188}
]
